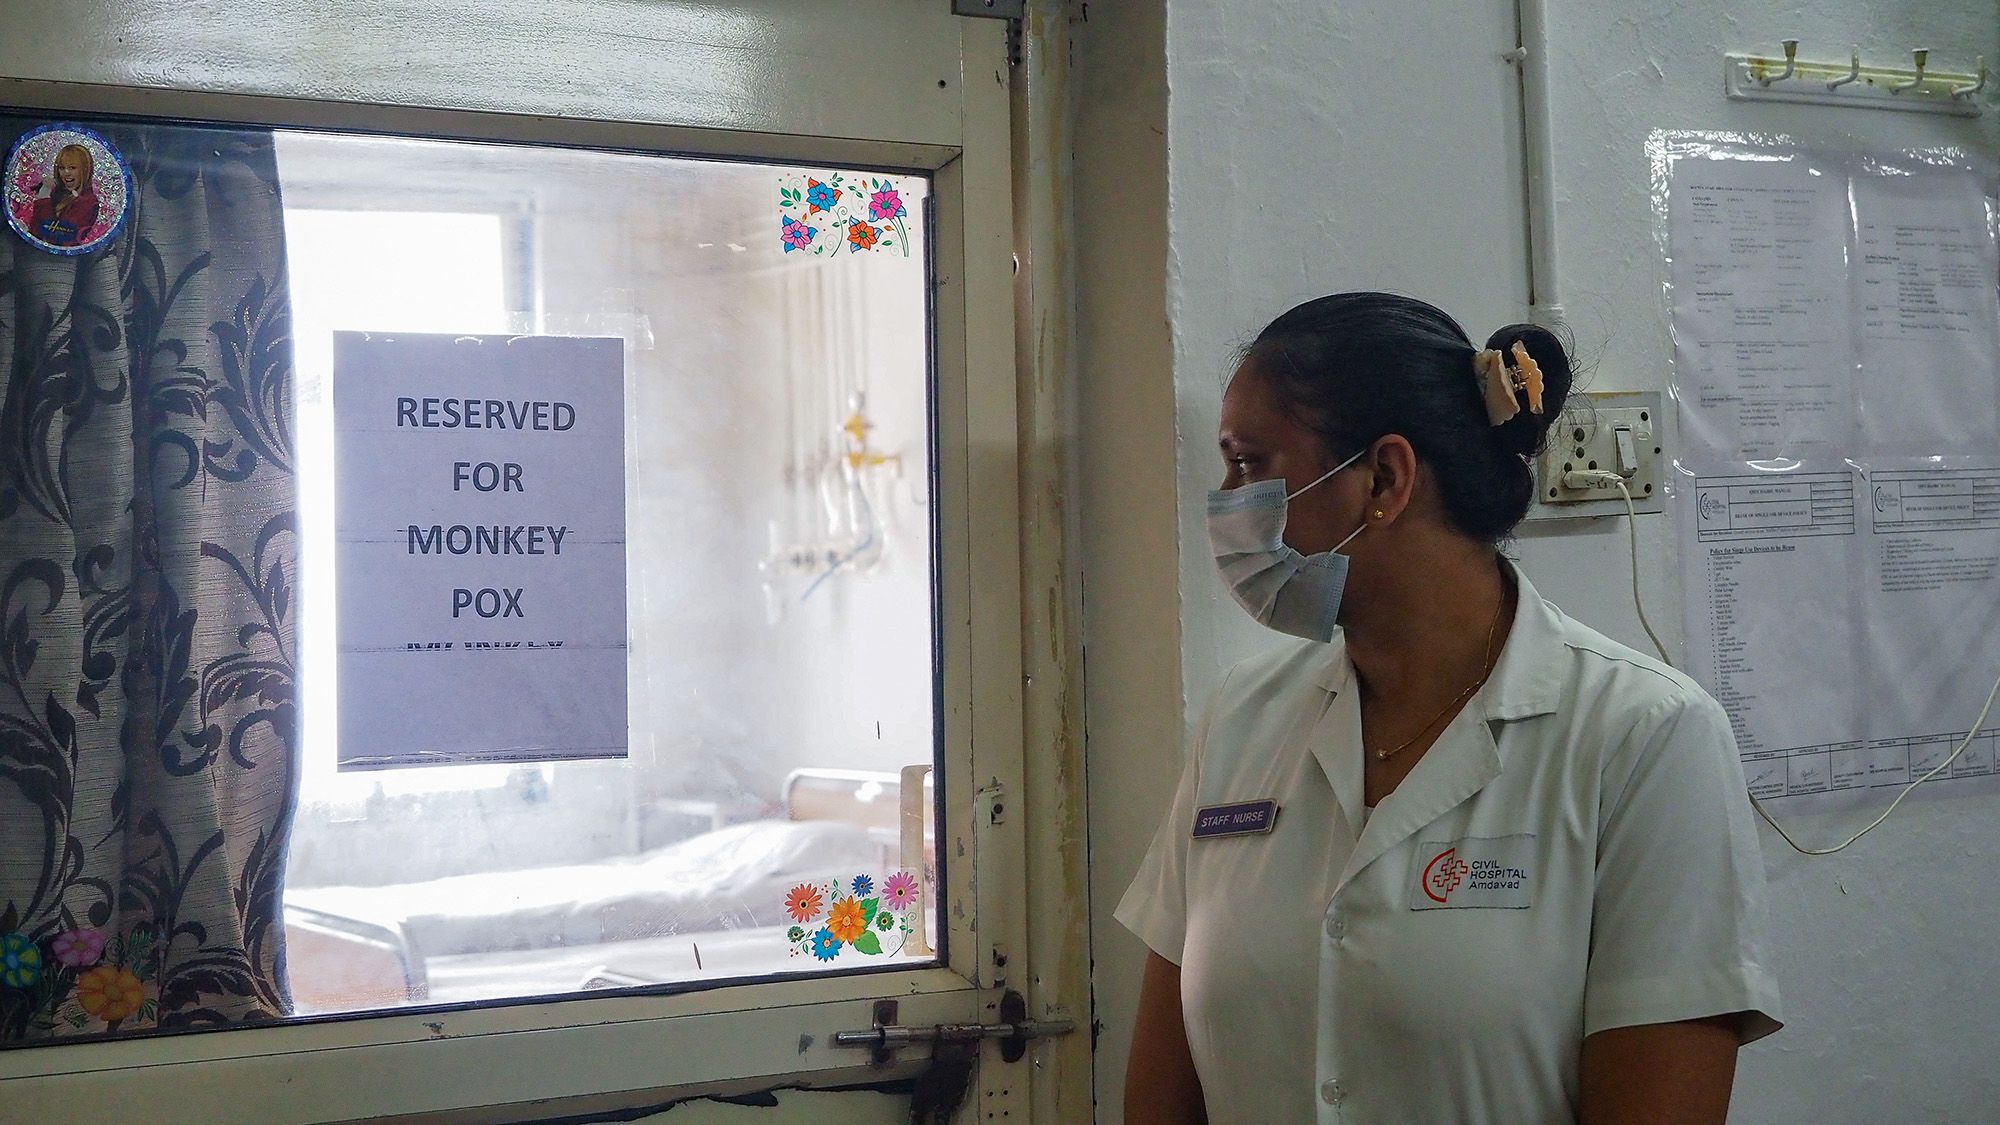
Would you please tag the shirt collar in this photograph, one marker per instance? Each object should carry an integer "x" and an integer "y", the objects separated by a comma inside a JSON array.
[
  {"x": 1524, "y": 682},
  {"x": 1466, "y": 755}
]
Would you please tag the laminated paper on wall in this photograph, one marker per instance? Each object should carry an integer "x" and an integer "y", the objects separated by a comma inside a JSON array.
[{"x": 1836, "y": 330}]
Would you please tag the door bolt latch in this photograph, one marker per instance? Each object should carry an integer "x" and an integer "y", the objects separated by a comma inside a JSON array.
[{"x": 1014, "y": 1031}]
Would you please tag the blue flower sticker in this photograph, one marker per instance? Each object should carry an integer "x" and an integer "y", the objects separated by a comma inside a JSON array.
[
  {"x": 20, "y": 961},
  {"x": 863, "y": 886},
  {"x": 824, "y": 944},
  {"x": 820, "y": 197}
]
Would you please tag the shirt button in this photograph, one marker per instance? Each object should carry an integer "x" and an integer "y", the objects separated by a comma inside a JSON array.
[
  {"x": 1332, "y": 1092},
  {"x": 1336, "y": 927}
]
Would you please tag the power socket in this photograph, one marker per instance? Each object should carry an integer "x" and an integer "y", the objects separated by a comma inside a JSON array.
[{"x": 1617, "y": 432}]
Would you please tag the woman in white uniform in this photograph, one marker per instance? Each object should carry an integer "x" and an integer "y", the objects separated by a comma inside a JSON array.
[{"x": 1450, "y": 856}]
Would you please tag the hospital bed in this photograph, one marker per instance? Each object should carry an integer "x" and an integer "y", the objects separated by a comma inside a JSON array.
[{"x": 706, "y": 907}]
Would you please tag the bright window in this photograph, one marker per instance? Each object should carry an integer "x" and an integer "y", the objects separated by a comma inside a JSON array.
[
  {"x": 387, "y": 270},
  {"x": 779, "y": 584}
]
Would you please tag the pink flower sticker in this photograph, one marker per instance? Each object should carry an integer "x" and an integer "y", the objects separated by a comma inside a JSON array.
[
  {"x": 79, "y": 949},
  {"x": 899, "y": 891},
  {"x": 885, "y": 204},
  {"x": 795, "y": 234}
]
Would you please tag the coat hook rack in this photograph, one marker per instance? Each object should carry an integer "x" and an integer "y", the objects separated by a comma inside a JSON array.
[
  {"x": 1974, "y": 88},
  {"x": 1916, "y": 82},
  {"x": 1917, "y": 88}
]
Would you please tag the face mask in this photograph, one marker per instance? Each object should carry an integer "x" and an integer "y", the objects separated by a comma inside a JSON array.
[{"x": 1279, "y": 587}]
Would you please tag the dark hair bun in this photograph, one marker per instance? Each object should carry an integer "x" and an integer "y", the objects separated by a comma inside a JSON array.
[
  {"x": 1356, "y": 366},
  {"x": 1525, "y": 433}
]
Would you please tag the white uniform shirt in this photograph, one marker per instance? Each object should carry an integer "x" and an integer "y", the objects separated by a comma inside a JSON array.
[{"x": 1574, "y": 853}]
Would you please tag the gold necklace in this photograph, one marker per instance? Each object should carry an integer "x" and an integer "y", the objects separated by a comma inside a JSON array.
[{"x": 1485, "y": 670}]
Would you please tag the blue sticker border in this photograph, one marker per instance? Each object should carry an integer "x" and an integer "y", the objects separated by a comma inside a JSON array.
[{"x": 124, "y": 170}]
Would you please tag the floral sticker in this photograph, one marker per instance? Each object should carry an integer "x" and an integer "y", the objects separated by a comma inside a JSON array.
[
  {"x": 823, "y": 217},
  {"x": 67, "y": 190},
  {"x": 78, "y": 949},
  {"x": 20, "y": 961},
  {"x": 899, "y": 891},
  {"x": 803, "y": 904},
  {"x": 79, "y": 978},
  {"x": 848, "y": 914},
  {"x": 110, "y": 993}
]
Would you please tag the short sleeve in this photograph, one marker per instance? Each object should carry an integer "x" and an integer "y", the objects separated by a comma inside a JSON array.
[
  {"x": 1155, "y": 905},
  {"x": 1680, "y": 880}
]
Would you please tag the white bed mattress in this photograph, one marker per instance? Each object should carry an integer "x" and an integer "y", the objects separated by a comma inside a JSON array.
[{"x": 731, "y": 879}]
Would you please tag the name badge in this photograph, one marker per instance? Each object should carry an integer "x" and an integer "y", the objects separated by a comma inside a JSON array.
[
  {"x": 1244, "y": 818},
  {"x": 1497, "y": 873}
]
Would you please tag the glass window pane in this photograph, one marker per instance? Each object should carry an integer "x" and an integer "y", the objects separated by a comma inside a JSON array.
[
  {"x": 778, "y": 565},
  {"x": 771, "y": 810}
]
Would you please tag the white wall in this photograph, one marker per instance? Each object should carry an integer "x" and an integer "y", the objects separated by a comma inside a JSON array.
[
  {"x": 1303, "y": 157},
  {"x": 1307, "y": 154},
  {"x": 1891, "y": 1004},
  {"x": 1314, "y": 148}
]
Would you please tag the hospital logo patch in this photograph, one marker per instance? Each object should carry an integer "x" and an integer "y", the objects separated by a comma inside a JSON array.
[
  {"x": 1442, "y": 875},
  {"x": 1495, "y": 873}
]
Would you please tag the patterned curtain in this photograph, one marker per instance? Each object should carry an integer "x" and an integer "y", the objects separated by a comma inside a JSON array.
[{"x": 148, "y": 554}]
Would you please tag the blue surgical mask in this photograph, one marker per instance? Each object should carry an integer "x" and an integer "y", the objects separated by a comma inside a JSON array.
[{"x": 1278, "y": 586}]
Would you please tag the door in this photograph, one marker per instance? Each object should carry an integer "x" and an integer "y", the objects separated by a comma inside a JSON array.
[{"x": 779, "y": 241}]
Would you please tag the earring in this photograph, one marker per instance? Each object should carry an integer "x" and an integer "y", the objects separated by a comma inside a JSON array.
[{"x": 1379, "y": 513}]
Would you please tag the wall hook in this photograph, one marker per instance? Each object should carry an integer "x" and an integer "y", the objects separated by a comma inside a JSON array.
[
  {"x": 1748, "y": 76},
  {"x": 1791, "y": 63},
  {"x": 1922, "y": 55},
  {"x": 1972, "y": 88}
]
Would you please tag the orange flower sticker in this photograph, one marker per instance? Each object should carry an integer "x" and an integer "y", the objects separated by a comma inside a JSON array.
[
  {"x": 862, "y": 235},
  {"x": 848, "y": 920},
  {"x": 803, "y": 903},
  {"x": 110, "y": 993}
]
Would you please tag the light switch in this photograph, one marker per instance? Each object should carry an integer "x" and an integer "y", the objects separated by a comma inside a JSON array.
[{"x": 1628, "y": 451}]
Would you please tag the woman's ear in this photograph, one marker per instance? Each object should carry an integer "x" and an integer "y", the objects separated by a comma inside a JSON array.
[{"x": 1394, "y": 464}]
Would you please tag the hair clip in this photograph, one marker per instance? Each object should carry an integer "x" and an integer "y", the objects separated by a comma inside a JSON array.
[
  {"x": 1501, "y": 386},
  {"x": 1496, "y": 386},
  {"x": 1528, "y": 376}
]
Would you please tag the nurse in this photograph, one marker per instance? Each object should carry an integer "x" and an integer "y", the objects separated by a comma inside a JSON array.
[{"x": 1448, "y": 855}]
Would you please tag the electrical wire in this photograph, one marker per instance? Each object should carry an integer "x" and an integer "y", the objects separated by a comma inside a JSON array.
[
  {"x": 1639, "y": 603},
  {"x": 1632, "y": 527}
]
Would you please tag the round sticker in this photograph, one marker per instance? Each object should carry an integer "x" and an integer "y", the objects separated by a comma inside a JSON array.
[{"x": 68, "y": 190}]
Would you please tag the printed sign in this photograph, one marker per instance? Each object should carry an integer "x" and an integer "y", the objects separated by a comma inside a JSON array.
[
  {"x": 68, "y": 191},
  {"x": 479, "y": 494},
  {"x": 1496, "y": 873}
]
